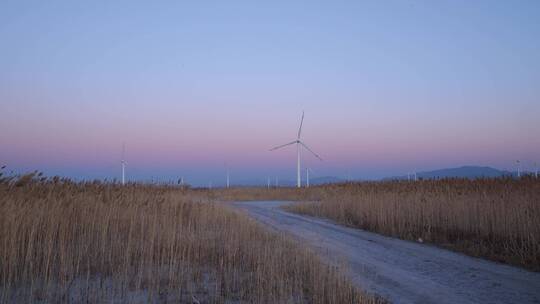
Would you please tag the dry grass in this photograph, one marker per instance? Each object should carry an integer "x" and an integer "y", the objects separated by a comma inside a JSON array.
[
  {"x": 92, "y": 242},
  {"x": 498, "y": 219}
]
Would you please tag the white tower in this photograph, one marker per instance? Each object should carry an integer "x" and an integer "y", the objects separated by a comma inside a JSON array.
[
  {"x": 123, "y": 172},
  {"x": 228, "y": 178},
  {"x": 298, "y": 143},
  {"x": 123, "y": 164},
  {"x": 307, "y": 177}
]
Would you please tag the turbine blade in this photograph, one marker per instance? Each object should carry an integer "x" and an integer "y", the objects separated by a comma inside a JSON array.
[
  {"x": 301, "y": 122},
  {"x": 275, "y": 148},
  {"x": 311, "y": 151}
]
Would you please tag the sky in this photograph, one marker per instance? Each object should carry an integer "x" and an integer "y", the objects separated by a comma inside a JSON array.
[{"x": 192, "y": 87}]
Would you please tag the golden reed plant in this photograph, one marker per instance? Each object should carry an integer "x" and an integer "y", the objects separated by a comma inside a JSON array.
[
  {"x": 498, "y": 219},
  {"x": 62, "y": 241}
]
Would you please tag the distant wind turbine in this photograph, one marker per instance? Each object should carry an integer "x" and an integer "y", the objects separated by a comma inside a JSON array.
[
  {"x": 298, "y": 143},
  {"x": 123, "y": 164},
  {"x": 307, "y": 176},
  {"x": 228, "y": 177},
  {"x": 535, "y": 170},
  {"x": 518, "y": 168}
]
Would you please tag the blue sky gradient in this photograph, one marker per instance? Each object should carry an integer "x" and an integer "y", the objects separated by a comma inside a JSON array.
[{"x": 388, "y": 86}]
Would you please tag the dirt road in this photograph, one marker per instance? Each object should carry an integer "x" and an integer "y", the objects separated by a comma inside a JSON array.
[{"x": 403, "y": 271}]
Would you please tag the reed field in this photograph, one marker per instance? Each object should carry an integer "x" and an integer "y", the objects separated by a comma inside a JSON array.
[
  {"x": 497, "y": 219},
  {"x": 62, "y": 241}
]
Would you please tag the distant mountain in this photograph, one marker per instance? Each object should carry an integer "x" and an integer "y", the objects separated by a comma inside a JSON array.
[{"x": 471, "y": 172}]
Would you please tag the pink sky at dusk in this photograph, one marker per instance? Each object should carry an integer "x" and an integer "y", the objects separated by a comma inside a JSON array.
[{"x": 387, "y": 89}]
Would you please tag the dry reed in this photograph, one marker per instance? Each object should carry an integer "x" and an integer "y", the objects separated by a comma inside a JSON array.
[
  {"x": 498, "y": 219},
  {"x": 94, "y": 242}
]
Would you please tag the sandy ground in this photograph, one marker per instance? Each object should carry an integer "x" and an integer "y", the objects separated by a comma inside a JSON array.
[{"x": 403, "y": 271}]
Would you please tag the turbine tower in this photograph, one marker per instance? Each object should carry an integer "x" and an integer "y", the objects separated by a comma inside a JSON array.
[
  {"x": 123, "y": 164},
  {"x": 518, "y": 168},
  {"x": 307, "y": 176},
  {"x": 299, "y": 145},
  {"x": 228, "y": 177}
]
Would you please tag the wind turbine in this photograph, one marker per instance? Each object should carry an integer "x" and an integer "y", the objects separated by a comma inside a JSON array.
[
  {"x": 307, "y": 176},
  {"x": 228, "y": 177},
  {"x": 123, "y": 164},
  {"x": 299, "y": 144},
  {"x": 518, "y": 168},
  {"x": 535, "y": 170}
]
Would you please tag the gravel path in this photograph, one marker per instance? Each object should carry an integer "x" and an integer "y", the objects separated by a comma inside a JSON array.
[{"x": 403, "y": 271}]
